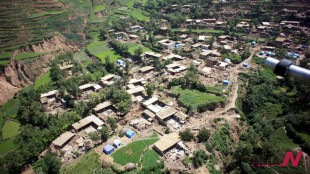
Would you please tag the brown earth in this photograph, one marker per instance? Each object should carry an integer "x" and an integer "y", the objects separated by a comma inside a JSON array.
[{"x": 20, "y": 74}]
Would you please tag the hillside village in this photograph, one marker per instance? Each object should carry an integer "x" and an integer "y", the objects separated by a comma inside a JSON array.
[{"x": 164, "y": 93}]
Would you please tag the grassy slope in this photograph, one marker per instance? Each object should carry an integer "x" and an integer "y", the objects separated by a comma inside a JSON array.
[
  {"x": 132, "y": 152},
  {"x": 86, "y": 164},
  {"x": 45, "y": 79}
]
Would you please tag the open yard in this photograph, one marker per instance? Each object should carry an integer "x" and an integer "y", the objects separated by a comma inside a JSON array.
[
  {"x": 195, "y": 98},
  {"x": 86, "y": 164},
  {"x": 10, "y": 129},
  {"x": 100, "y": 49},
  {"x": 132, "y": 152},
  {"x": 43, "y": 80}
]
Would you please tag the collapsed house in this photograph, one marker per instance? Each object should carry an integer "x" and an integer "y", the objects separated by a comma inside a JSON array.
[
  {"x": 108, "y": 80},
  {"x": 175, "y": 68},
  {"x": 166, "y": 143},
  {"x": 88, "y": 124},
  {"x": 63, "y": 140}
]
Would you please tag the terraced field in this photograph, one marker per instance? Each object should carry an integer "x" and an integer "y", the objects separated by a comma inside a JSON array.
[{"x": 30, "y": 22}]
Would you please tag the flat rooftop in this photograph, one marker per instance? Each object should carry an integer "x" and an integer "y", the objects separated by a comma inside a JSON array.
[
  {"x": 63, "y": 138},
  {"x": 167, "y": 141}
]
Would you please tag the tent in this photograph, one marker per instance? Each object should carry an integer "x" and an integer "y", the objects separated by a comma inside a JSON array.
[
  {"x": 253, "y": 43},
  {"x": 225, "y": 82},
  {"x": 261, "y": 53},
  {"x": 108, "y": 149},
  {"x": 130, "y": 134},
  {"x": 245, "y": 65},
  {"x": 117, "y": 143},
  {"x": 269, "y": 54}
]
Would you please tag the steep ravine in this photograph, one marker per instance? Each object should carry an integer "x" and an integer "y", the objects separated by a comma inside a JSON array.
[{"x": 20, "y": 74}]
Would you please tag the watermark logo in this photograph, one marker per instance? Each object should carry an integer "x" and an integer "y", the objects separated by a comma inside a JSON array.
[{"x": 289, "y": 157}]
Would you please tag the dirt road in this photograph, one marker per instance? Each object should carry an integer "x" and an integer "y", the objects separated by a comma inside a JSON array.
[{"x": 234, "y": 89}]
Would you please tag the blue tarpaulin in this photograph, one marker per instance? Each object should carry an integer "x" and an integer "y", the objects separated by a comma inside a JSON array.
[
  {"x": 130, "y": 134},
  {"x": 225, "y": 82},
  {"x": 108, "y": 149}
]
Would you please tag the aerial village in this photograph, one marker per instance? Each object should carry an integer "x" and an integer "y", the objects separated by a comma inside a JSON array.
[{"x": 161, "y": 109}]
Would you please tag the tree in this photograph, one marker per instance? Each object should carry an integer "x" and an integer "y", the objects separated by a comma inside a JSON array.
[
  {"x": 199, "y": 158},
  {"x": 203, "y": 135},
  {"x": 211, "y": 42},
  {"x": 150, "y": 88},
  {"x": 104, "y": 134},
  {"x": 112, "y": 123},
  {"x": 94, "y": 136},
  {"x": 49, "y": 164},
  {"x": 246, "y": 53},
  {"x": 186, "y": 135},
  {"x": 137, "y": 53}
]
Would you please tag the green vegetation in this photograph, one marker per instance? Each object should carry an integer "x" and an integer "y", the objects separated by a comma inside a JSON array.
[
  {"x": 280, "y": 140},
  {"x": 194, "y": 98},
  {"x": 101, "y": 50},
  {"x": 134, "y": 46},
  {"x": 150, "y": 158},
  {"x": 27, "y": 55},
  {"x": 10, "y": 129},
  {"x": 50, "y": 163},
  {"x": 199, "y": 158},
  {"x": 6, "y": 55},
  {"x": 7, "y": 146},
  {"x": 40, "y": 21},
  {"x": 186, "y": 135},
  {"x": 132, "y": 152},
  {"x": 86, "y": 164},
  {"x": 99, "y": 8},
  {"x": 43, "y": 80},
  {"x": 10, "y": 108},
  {"x": 140, "y": 15}
]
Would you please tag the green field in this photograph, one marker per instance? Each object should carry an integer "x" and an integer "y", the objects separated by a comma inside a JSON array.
[
  {"x": 195, "y": 98},
  {"x": 99, "y": 8},
  {"x": 132, "y": 152},
  {"x": 150, "y": 158},
  {"x": 141, "y": 15},
  {"x": 10, "y": 108},
  {"x": 100, "y": 49},
  {"x": 43, "y": 80},
  {"x": 6, "y": 55},
  {"x": 10, "y": 129},
  {"x": 27, "y": 55},
  {"x": 86, "y": 164},
  {"x": 7, "y": 146},
  {"x": 134, "y": 46}
]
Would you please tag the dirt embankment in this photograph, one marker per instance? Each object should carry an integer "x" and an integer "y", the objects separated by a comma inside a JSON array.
[{"x": 20, "y": 74}]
